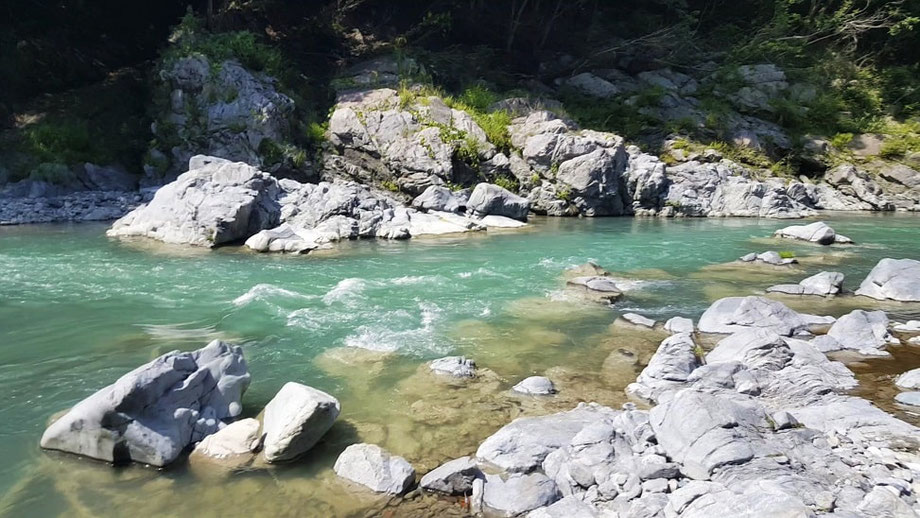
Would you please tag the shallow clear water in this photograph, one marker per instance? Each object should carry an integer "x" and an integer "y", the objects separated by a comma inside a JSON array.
[{"x": 77, "y": 310}]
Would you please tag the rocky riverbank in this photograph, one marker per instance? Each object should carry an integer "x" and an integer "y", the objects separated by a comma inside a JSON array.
[{"x": 761, "y": 423}]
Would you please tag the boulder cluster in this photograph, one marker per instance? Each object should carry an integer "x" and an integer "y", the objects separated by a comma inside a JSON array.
[{"x": 219, "y": 202}]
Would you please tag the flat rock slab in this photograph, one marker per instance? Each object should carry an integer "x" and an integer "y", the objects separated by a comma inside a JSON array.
[
  {"x": 639, "y": 320},
  {"x": 375, "y": 468}
]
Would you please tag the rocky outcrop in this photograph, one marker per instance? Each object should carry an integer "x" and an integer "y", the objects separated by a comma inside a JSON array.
[
  {"x": 671, "y": 365},
  {"x": 153, "y": 413},
  {"x": 893, "y": 279},
  {"x": 219, "y": 109},
  {"x": 862, "y": 331},
  {"x": 733, "y": 314},
  {"x": 295, "y": 420},
  {"x": 215, "y": 202},
  {"x": 824, "y": 284},
  {"x": 518, "y": 493},
  {"x": 372, "y": 467},
  {"x": 76, "y": 207},
  {"x": 381, "y": 139}
]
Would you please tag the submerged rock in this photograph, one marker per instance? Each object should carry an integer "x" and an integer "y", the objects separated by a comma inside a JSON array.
[
  {"x": 768, "y": 257},
  {"x": 732, "y": 314},
  {"x": 153, "y": 413},
  {"x": 456, "y": 366},
  {"x": 296, "y": 419},
  {"x": 824, "y": 284},
  {"x": 215, "y": 202},
  {"x": 894, "y": 279},
  {"x": 599, "y": 288},
  {"x": 817, "y": 232},
  {"x": 535, "y": 386},
  {"x": 375, "y": 468}
]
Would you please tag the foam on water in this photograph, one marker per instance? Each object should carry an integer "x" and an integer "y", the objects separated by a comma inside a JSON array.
[
  {"x": 410, "y": 333},
  {"x": 267, "y": 292},
  {"x": 347, "y": 291}
]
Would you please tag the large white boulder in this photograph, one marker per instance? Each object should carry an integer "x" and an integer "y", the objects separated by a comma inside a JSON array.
[
  {"x": 239, "y": 438},
  {"x": 296, "y": 419},
  {"x": 817, "y": 232},
  {"x": 215, "y": 202},
  {"x": 151, "y": 414},
  {"x": 824, "y": 284},
  {"x": 895, "y": 279},
  {"x": 375, "y": 468},
  {"x": 858, "y": 330}
]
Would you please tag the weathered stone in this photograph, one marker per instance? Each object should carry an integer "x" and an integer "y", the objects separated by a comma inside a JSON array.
[
  {"x": 296, "y": 419},
  {"x": 239, "y": 438},
  {"x": 518, "y": 493},
  {"x": 639, "y": 320},
  {"x": 676, "y": 325},
  {"x": 488, "y": 199},
  {"x": 151, "y": 414},
  {"x": 535, "y": 386},
  {"x": 732, "y": 314},
  {"x": 824, "y": 284},
  {"x": 373, "y": 467},
  {"x": 895, "y": 279},
  {"x": 440, "y": 198},
  {"x": 909, "y": 380},
  {"x": 908, "y": 398},
  {"x": 668, "y": 369},
  {"x": 817, "y": 232},
  {"x": 858, "y": 330},
  {"x": 219, "y": 202}
]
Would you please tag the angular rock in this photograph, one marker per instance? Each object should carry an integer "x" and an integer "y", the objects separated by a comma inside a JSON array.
[
  {"x": 568, "y": 507},
  {"x": 488, "y": 199},
  {"x": 375, "y": 468},
  {"x": 535, "y": 386},
  {"x": 518, "y": 493},
  {"x": 455, "y": 366},
  {"x": 523, "y": 444},
  {"x": 295, "y": 420},
  {"x": 732, "y": 314},
  {"x": 151, "y": 414},
  {"x": 599, "y": 288},
  {"x": 824, "y": 284},
  {"x": 589, "y": 84},
  {"x": 452, "y": 478},
  {"x": 219, "y": 202},
  {"x": 668, "y": 369},
  {"x": 894, "y": 279}
]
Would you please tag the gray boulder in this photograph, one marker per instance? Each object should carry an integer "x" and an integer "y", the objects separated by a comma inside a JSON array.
[
  {"x": 568, "y": 507},
  {"x": 639, "y": 320},
  {"x": 455, "y": 366},
  {"x": 452, "y": 478},
  {"x": 894, "y": 279},
  {"x": 598, "y": 288},
  {"x": 733, "y": 314},
  {"x": 769, "y": 257},
  {"x": 439, "y": 198},
  {"x": 151, "y": 414},
  {"x": 535, "y": 386},
  {"x": 373, "y": 467},
  {"x": 817, "y": 232},
  {"x": 217, "y": 203},
  {"x": 489, "y": 199},
  {"x": 589, "y": 84},
  {"x": 296, "y": 419},
  {"x": 824, "y": 284},
  {"x": 518, "y": 493},
  {"x": 856, "y": 184}
]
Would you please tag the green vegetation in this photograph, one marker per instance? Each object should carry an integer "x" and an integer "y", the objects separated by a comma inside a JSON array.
[
  {"x": 507, "y": 182},
  {"x": 903, "y": 139},
  {"x": 841, "y": 141},
  {"x": 390, "y": 185},
  {"x": 786, "y": 254}
]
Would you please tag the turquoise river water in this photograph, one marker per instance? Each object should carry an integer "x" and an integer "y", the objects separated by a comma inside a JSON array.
[{"x": 77, "y": 310}]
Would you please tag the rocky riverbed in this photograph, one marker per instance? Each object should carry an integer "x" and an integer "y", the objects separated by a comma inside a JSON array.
[{"x": 746, "y": 416}]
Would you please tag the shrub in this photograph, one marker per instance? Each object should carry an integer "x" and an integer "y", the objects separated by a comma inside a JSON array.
[
  {"x": 507, "y": 182},
  {"x": 786, "y": 254},
  {"x": 841, "y": 140},
  {"x": 495, "y": 125}
]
